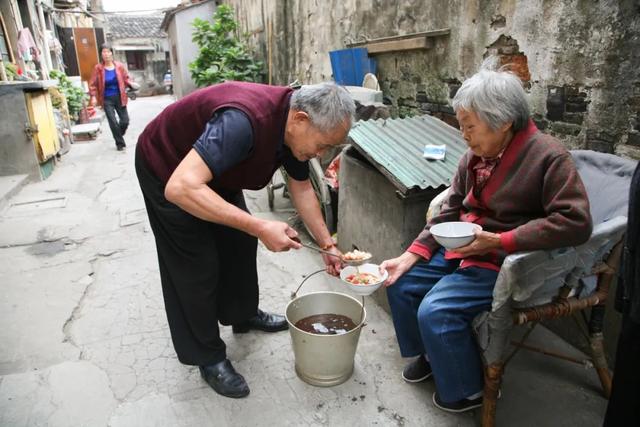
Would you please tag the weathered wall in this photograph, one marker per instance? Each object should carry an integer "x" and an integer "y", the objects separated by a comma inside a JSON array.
[
  {"x": 579, "y": 58},
  {"x": 17, "y": 152},
  {"x": 182, "y": 49}
]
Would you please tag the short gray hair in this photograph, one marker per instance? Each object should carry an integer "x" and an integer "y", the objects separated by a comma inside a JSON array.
[
  {"x": 327, "y": 104},
  {"x": 496, "y": 96}
]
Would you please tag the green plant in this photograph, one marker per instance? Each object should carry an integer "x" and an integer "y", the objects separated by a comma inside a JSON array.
[
  {"x": 74, "y": 95},
  {"x": 11, "y": 70},
  {"x": 222, "y": 55}
]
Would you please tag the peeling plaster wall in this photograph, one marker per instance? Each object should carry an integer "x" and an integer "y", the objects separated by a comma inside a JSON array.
[{"x": 579, "y": 55}]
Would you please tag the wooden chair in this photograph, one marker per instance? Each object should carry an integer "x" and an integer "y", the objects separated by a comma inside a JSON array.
[{"x": 498, "y": 323}]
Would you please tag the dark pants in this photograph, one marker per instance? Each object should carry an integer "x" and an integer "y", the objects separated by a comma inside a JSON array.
[
  {"x": 208, "y": 272},
  {"x": 113, "y": 106},
  {"x": 624, "y": 405},
  {"x": 432, "y": 306}
]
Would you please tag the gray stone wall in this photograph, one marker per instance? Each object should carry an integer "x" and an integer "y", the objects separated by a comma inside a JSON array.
[{"x": 578, "y": 58}]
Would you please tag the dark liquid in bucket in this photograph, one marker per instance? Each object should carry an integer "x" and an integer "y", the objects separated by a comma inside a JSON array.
[{"x": 326, "y": 324}]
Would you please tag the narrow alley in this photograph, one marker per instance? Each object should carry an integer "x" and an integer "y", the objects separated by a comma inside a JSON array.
[{"x": 85, "y": 340}]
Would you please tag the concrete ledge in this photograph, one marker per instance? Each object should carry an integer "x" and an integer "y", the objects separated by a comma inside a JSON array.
[
  {"x": 85, "y": 132},
  {"x": 9, "y": 186}
]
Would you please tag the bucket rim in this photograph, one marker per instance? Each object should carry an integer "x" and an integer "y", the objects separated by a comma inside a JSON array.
[{"x": 354, "y": 330}]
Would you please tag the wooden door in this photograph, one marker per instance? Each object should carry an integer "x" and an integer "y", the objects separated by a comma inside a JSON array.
[
  {"x": 69, "y": 57},
  {"x": 43, "y": 125},
  {"x": 86, "y": 51}
]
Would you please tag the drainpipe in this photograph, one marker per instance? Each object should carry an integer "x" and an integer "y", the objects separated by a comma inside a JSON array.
[{"x": 45, "y": 51}]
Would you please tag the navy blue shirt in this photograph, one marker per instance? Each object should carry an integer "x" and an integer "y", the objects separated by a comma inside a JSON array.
[
  {"x": 228, "y": 140},
  {"x": 110, "y": 83}
]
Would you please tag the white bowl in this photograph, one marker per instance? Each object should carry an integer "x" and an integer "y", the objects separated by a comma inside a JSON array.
[
  {"x": 364, "y": 268},
  {"x": 455, "y": 234}
]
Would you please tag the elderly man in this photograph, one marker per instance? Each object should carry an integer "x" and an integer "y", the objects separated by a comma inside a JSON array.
[
  {"x": 522, "y": 187},
  {"x": 192, "y": 162}
]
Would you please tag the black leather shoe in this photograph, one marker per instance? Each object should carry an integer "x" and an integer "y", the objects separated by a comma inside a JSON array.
[
  {"x": 224, "y": 379},
  {"x": 267, "y": 322}
]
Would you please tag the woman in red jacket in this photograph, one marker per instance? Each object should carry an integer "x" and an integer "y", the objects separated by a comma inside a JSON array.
[{"x": 107, "y": 88}]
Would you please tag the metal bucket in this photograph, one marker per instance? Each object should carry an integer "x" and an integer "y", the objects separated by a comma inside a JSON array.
[{"x": 324, "y": 360}]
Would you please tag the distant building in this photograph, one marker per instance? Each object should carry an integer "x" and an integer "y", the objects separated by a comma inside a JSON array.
[
  {"x": 139, "y": 42},
  {"x": 177, "y": 23}
]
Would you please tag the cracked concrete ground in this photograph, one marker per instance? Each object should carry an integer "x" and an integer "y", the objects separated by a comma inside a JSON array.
[{"x": 85, "y": 340}]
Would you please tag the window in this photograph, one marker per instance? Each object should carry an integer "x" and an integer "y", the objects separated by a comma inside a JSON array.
[{"x": 135, "y": 60}]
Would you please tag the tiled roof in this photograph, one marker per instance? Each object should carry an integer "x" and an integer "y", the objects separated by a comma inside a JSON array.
[{"x": 135, "y": 26}]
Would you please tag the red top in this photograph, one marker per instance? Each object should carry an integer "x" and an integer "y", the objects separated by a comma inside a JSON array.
[
  {"x": 170, "y": 136},
  {"x": 534, "y": 198},
  {"x": 96, "y": 83}
]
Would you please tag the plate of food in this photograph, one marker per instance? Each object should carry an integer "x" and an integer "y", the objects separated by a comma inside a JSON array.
[
  {"x": 355, "y": 257},
  {"x": 363, "y": 280}
]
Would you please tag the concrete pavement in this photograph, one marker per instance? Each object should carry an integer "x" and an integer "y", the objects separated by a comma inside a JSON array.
[{"x": 85, "y": 340}]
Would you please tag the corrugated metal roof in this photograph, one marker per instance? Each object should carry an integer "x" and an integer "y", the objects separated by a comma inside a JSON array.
[{"x": 395, "y": 147}]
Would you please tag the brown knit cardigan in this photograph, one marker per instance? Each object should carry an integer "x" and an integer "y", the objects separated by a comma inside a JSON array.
[{"x": 534, "y": 198}]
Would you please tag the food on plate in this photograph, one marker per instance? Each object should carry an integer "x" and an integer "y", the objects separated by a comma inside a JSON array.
[
  {"x": 356, "y": 255},
  {"x": 362, "y": 279}
]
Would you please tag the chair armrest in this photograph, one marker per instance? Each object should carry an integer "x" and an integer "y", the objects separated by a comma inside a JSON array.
[
  {"x": 435, "y": 206},
  {"x": 524, "y": 272},
  {"x": 608, "y": 232}
]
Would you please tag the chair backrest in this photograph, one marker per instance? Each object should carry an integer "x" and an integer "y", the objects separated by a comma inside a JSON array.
[{"x": 607, "y": 178}]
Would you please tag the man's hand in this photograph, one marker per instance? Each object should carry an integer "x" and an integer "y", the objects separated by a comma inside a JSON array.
[
  {"x": 398, "y": 266},
  {"x": 277, "y": 236},
  {"x": 484, "y": 242},
  {"x": 334, "y": 264}
]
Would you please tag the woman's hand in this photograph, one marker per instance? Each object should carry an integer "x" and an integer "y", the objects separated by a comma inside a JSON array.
[
  {"x": 93, "y": 101},
  {"x": 334, "y": 264},
  {"x": 484, "y": 242},
  {"x": 396, "y": 267}
]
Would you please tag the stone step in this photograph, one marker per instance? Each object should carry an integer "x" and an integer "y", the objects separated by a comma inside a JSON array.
[{"x": 85, "y": 131}]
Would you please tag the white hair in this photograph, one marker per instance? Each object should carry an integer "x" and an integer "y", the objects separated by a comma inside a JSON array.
[
  {"x": 327, "y": 104},
  {"x": 495, "y": 95}
]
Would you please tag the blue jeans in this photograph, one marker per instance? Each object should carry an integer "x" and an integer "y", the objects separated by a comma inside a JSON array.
[{"x": 433, "y": 305}]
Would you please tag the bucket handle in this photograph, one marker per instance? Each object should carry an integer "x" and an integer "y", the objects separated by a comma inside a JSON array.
[{"x": 294, "y": 294}]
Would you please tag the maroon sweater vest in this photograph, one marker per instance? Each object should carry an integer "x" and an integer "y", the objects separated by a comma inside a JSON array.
[{"x": 170, "y": 136}]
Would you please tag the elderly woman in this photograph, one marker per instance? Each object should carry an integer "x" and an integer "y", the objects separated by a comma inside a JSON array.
[{"x": 522, "y": 187}]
